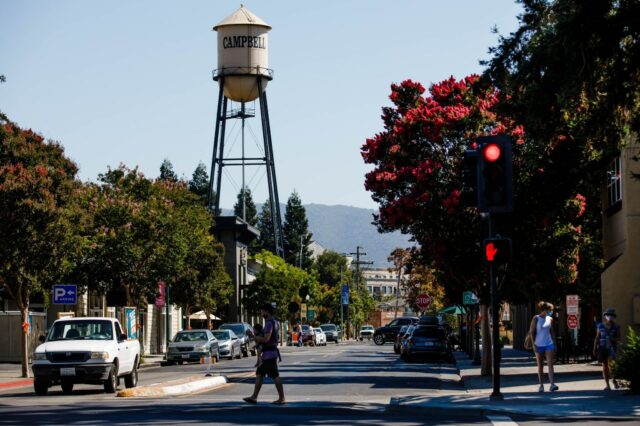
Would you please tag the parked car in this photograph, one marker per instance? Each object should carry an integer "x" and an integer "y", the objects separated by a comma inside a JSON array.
[
  {"x": 321, "y": 338},
  {"x": 426, "y": 340},
  {"x": 228, "y": 343},
  {"x": 389, "y": 332},
  {"x": 429, "y": 320},
  {"x": 366, "y": 332},
  {"x": 191, "y": 345},
  {"x": 333, "y": 333},
  {"x": 89, "y": 350},
  {"x": 240, "y": 329},
  {"x": 308, "y": 335}
]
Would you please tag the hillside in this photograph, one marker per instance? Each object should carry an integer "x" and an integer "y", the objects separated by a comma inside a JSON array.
[{"x": 342, "y": 228}]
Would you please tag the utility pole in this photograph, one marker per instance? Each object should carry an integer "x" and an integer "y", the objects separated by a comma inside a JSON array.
[{"x": 359, "y": 262}]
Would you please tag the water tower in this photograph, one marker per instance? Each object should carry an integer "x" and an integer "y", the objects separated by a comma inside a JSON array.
[{"x": 242, "y": 74}]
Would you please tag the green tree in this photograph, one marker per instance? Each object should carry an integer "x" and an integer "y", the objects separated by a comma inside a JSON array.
[
  {"x": 331, "y": 267},
  {"x": 199, "y": 183},
  {"x": 297, "y": 237},
  {"x": 37, "y": 183},
  {"x": 250, "y": 211},
  {"x": 197, "y": 275},
  {"x": 265, "y": 226},
  {"x": 166, "y": 171},
  {"x": 280, "y": 283}
]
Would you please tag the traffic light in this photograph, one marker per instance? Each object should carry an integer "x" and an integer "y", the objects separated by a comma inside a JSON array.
[
  {"x": 497, "y": 250},
  {"x": 495, "y": 175},
  {"x": 469, "y": 195}
]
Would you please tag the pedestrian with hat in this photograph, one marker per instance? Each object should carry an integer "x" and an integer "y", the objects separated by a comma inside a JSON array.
[{"x": 605, "y": 345}]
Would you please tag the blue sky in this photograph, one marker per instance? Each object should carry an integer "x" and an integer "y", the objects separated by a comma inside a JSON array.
[{"x": 130, "y": 81}]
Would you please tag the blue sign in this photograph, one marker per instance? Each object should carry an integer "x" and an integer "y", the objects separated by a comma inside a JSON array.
[
  {"x": 64, "y": 294},
  {"x": 345, "y": 294}
]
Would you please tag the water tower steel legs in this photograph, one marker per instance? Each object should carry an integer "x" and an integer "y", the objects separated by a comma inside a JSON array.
[
  {"x": 268, "y": 160},
  {"x": 210, "y": 201},
  {"x": 274, "y": 199}
]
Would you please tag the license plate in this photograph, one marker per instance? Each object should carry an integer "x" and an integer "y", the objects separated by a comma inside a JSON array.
[
  {"x": 185, "y": 356},
  {"x": 428, "y": 343},
  {"x": 68, "y": 371}
]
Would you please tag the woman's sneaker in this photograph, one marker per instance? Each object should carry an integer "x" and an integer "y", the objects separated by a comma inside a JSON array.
[
  {"x": 553, "y": 388},
  {"x": 541, "y": 388}
]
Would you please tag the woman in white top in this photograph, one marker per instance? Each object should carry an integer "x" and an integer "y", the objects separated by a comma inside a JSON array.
[{"x": 544, "y": 338}]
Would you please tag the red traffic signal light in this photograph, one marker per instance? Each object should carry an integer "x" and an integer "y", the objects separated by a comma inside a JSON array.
[
  {"x": 491, "y": 152},
  {"x": 495, "y": 177},
  {"x": 497, "y": 250}
]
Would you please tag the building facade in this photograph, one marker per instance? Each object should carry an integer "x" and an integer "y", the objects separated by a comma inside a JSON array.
[{"x": 621, "y": 233}]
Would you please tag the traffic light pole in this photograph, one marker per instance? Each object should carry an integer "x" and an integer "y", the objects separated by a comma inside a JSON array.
[{"x": 496, "y": 395}]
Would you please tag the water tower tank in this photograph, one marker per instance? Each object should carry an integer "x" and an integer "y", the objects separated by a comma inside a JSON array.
[{"x": 242, "y": 55}]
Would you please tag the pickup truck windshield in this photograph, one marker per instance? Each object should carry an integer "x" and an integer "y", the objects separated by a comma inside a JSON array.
[
  {"x": 81, "y": 330},
  {"x": 328, "y": 328}
]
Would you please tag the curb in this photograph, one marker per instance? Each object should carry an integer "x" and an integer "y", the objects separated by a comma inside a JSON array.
[
  {"x": 16, "y": 384},
  {"x": 181, "y": 387}
]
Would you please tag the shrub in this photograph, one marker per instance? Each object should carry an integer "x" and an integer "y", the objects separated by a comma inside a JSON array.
[{"x": 625, "y": 367}]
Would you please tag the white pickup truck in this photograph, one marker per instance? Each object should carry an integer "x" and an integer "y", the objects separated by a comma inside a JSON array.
[{"x": 85, "y": 350}]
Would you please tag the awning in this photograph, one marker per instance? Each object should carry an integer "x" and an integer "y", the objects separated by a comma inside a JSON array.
[
  {"x": 453, "y": 310},
  {"x": 200, "y": 315}
]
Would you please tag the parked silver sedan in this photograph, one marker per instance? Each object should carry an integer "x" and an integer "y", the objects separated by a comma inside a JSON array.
[
  {"x": 191, "y": 345},
  {"x": 228, "y": 343}
]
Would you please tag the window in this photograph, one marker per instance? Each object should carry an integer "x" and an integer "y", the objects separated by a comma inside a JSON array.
[{"x": 614, "y": 183}]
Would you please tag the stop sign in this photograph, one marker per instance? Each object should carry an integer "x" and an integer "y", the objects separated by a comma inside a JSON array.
[{"x": 423, "y": 301}]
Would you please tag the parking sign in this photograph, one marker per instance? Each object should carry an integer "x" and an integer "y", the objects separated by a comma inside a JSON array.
[{"x": 64, "y": 294}]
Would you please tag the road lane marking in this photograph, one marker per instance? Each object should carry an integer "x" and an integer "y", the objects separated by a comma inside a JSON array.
[{"x": 501, "y": 421}]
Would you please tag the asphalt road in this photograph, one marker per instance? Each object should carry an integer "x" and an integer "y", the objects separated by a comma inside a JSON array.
[{"x": 347, "y": 384}]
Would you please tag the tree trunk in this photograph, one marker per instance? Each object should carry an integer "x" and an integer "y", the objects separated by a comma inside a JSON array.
[
  {"x": 486, "y": 341},
  {"x": 24, "y": 315}
]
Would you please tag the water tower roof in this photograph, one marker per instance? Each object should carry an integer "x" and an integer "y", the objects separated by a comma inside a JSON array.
[{"x": 241, "y": 16}]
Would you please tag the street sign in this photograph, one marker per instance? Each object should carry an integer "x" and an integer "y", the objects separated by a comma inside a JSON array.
[
  {"x": 64, "y": 294},
  {"x": 345, "y": 294},
  {"x": 311, "y": 315},
  {"x": 423, "y": 301},
  {"x": 573, "y": 303},
  {"x": 572, "y": 322},
  {"x": 469, "y": 298}
]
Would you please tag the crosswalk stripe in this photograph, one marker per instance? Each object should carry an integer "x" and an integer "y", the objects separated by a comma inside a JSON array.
[{"x": 501, "y": 421}]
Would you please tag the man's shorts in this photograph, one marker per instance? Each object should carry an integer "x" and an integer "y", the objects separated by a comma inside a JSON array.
[
  {"x": 269, "y": 367},
  {"x": 543, "y": 349}
]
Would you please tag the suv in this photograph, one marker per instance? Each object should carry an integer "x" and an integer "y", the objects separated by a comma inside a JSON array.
[
  {"x": 247, "y": 344},
  {"x": 332, "y": 332},
  {"x": 389, "y": 332}
]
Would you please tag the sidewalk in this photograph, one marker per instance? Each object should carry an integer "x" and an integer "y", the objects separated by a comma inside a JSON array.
[
  {"x": 11, "y": 374},
  {"x": 581, "y": 391}
]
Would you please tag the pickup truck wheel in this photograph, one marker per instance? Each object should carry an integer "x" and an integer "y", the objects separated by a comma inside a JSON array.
[
  {"x": 111, "y": 384},
  {"x": 378, "y": 339},
  {"x": 131, "y": 380},
  {"x": 67, "y": 387},
  {"x": 40, "y": 386}
]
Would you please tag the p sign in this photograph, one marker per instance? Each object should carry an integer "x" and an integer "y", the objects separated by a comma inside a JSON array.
[{"x": 64, "y": 294}]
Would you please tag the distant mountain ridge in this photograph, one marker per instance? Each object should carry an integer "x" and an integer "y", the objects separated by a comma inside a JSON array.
[{"x": 342, "y": 228}]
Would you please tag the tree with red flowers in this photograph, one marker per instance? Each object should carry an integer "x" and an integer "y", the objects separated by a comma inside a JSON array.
[
  {"x": 37, "y": 183},
  {"x": 417, "y": 171}
]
